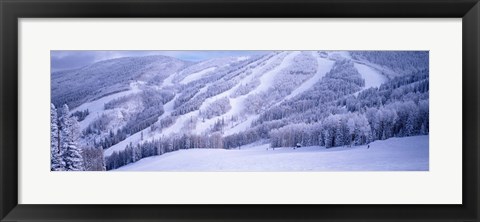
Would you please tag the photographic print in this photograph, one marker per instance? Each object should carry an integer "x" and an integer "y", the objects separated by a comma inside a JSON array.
[{"x": 239, "y": 111}]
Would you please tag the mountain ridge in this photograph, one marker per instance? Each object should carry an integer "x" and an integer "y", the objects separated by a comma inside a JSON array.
[{"x": 229, "y": 102}]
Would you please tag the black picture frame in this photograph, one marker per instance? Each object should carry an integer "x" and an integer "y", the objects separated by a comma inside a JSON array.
[{"x": 11, "y": 11}]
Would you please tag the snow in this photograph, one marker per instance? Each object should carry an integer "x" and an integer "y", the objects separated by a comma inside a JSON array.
[
  {"x": 96, "y": 107},
  {"x": 266, "y": 80},
  {"x": 324, "y": 66},
  {"x": 179, "y": 124},
  {"x": 394, "y": 154},
  {"x": 262, "y": 76},
  {"x": 372, "y": 73},
  {"x": 236, "y": 103},
  {"x": 241, "y": 58},
  {"x": 169, "y": 80},
  {"x": 373, "y": 78},
  {"x": 258, "y": 145},
  {"x": 387, "y": 71},
  {"x": 336, "y": 55},
  {"x": 197, "y": 75},
  {"x": 147, "y": 134},
  {"x": 202, "y": 126},
  {"x": 242, "y": 126}
]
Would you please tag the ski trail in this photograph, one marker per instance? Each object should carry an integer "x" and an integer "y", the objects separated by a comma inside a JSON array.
[
  {"x": 197, "y": 75},
  {"x": 372, "y": 77},
  {"x": 266, "y": 81},
  {"x": 97, "y": 107},
  {"x": 324, "y": 66},
  {"x": 136, "y": 137}
]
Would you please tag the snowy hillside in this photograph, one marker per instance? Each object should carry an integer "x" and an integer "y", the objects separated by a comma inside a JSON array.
[
  {"x": 136, "y": 107},
  {"x": 394, "y": 154},
  {"x": 92, "y": 82}
]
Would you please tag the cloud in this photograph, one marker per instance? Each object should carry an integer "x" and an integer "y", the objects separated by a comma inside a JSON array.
[{"x": 67, "y": 59}]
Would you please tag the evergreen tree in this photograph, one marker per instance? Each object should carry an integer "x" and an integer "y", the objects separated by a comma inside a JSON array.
[
  {"x": 57, "y": 163},
  {"x": 93, "y": 159},
  {"x": 70, "y": 133}
]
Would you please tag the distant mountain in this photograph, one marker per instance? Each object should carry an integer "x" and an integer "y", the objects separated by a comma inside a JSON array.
[
  {"x": 158, "y": 104},
  {"x": 74, "y": 87}
]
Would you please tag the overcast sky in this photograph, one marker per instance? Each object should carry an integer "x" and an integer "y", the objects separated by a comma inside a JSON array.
[{"x": 65, "y": 59}]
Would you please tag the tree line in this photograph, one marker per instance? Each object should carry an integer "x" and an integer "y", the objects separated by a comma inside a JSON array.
[{"x": 133, "y": 153}]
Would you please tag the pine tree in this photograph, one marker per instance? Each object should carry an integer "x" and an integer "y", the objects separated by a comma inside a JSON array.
[
  {"x": 57, "y": 163},
  {"x": 69, "y": 135}
]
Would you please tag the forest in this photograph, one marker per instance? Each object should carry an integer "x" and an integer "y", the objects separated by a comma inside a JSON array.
[{"x": 229, "y": 103}]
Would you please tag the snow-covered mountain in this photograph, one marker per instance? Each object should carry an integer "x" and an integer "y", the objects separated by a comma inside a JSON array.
[
  {"x": 137, "y": 107},
  {"x": 74, "y": 87}
]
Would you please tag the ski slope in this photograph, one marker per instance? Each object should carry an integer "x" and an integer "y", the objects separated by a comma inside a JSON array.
[
  {"x": 97, "y": 107},
  {"x": 324, "y": 66},
  {"x": 394, "y": 154},
  {"x": 266, "y": 80},
  {"x": 197, "y": 75},
  {"x": 137, "y": 137},
  {"x": 373, "y": 78},
  {"x": 237, "y": 103}
]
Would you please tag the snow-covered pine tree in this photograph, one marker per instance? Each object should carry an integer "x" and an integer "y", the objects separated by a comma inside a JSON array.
[
  {"x": 93, "y": 159},
  {"x": 70, "y": 132},
  {"x": 56, "y": 159},
  {"x": 137, "y": 152}
]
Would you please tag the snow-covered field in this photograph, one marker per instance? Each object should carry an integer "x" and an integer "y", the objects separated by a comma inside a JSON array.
[{"x": 394, "y": 154}]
